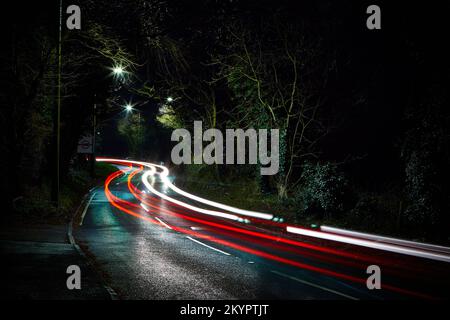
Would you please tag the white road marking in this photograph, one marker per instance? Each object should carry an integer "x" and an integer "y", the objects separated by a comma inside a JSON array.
[
  {"x": 314, "y": 285},
  {"x": 163, "y": 223},
  {"x": 144, "y": 207},
  {"x": 205, "y": 245},
  {"x": 86, "y": 208}
]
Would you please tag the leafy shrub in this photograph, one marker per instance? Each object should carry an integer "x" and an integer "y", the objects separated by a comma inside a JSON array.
[
  {"x": 77, "y": 178},
  {"x": 419, "y": 171},
  {"x": 36, "y": 202},
  {"x": 322, "y": 189},
  {"x": 373, "y": 212}
]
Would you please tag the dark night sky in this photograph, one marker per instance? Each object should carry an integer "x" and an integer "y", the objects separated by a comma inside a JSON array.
[
  {"x": 390, "y": 65},
  {"x": 386, "y": 65}
]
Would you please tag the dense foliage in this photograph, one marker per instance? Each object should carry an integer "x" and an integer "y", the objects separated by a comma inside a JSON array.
[{"x": 363, "y": 114}]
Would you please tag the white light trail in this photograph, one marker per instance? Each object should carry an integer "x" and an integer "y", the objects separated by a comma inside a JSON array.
[
  {"x": 145, "y": 177},
  {"x": 164, "y": 177},
  {"x": 411, "y": 248},
  {"x": 417, "y": 245},
  {"x": 369, "y": 244},
  {"x": 225, "y": 207}
]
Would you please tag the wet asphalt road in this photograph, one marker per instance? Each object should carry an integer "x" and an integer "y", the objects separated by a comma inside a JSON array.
[{"x": 142, "y": 260}]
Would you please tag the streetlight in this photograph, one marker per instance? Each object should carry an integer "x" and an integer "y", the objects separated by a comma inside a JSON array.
[
  {"x": 118, "y": 70},
  {"x": 128, "y": 107},
  {"x": 94, "y": 129},
  {"x": 58, "y": 113},
  {"x": 169, "y": 99},
  {"x": 119, "y": 73}
]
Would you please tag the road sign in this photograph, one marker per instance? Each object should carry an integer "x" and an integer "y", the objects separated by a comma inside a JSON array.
[{"x": 85, "y": 144}]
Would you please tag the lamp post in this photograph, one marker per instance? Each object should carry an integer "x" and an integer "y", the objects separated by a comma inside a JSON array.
[
  {"x": 129, "y": 108},
  {"x": 58, "y": 113},
  {"x": 118, "y": 72},
  {"x": 94, "y": 124}
]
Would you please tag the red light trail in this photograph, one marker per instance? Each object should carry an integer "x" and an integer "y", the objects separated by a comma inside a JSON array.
[{"x": 127, "y": 207}]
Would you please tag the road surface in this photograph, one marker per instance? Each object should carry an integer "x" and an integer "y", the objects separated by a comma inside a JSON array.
[{"x": 151, "y": 242}]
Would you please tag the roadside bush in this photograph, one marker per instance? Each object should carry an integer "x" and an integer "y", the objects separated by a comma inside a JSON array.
[
  {"x": 321, "y": 190},
  {"x": 35, "y": 202},
  {"x": 373, "y": 212},
  {"x": 78, "y": 179},
  {"x": 419, "y": 173}
]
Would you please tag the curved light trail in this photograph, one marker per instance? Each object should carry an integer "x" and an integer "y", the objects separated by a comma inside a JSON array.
[
  {"x": 164, "y": 177},
  {"x": 145, "y": 177},
  {"x": 278, "y": 241},
  {"x": 353, "y": 238},
  {"x": 123, "y": 204}
]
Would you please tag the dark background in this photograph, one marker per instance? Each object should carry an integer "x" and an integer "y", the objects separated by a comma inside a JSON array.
[{"x": 386, "y": 96}]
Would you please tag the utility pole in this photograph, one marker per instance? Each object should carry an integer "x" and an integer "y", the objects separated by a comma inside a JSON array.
[
  {"x": 94, "y": 124},
  {"x": 141, "y": 138},
  {"x": 58, "y": 117}
]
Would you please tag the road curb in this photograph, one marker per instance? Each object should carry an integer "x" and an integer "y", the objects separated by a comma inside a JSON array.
[{"x": 112, "y": 293}]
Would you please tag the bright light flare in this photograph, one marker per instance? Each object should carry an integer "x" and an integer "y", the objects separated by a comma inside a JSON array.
[{"x": 118, "y": 70}]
